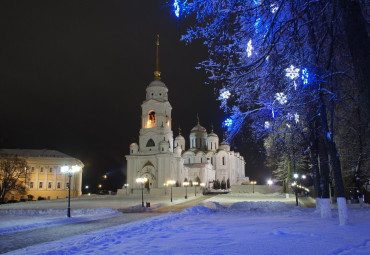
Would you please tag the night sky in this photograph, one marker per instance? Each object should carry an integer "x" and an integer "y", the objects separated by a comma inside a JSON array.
[{"x": 73, "y": 76}]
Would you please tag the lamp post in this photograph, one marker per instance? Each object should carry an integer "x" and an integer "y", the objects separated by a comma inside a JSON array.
[
  {"x": 126, "y": 187},
  {"x": 171, "y": 182},
  {"x": 195, "y": 188},
  {"x": 142, "y": 181},
  {"x": 253, "y": 183},
  {"x": 69, "y": 171},
  {"x": 186, "y": 184},
  {"x": 297, "y": 177}
]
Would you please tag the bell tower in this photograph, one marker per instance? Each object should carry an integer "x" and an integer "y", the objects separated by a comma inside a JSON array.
[{"x": 156, "y": 116}]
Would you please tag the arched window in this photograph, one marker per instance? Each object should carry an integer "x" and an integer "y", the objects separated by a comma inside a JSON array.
[
  {"x": 151, "y": 119},
  {"x": 150, "y": 143}
]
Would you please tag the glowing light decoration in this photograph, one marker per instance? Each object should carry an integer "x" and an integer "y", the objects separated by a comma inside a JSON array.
[
  {"x": 288, "y": 125},
  {"x": 274, "y": 7},
  {"x": 292, "y": 72},
  {"x": 296, "y": 117},
  {"x": 295, "y": 85},
  {"x": 267, "y": 124},
  {"x": 305, "y": 76},
  {"x": 225, "y": 94},
  {"x": 176, "y": 6},
  {"x": 249, "y": 48},
  {"x": 272, "y": 113},
  {"x": 281, "y": 97},
  {"x": 228, "y": 122}
]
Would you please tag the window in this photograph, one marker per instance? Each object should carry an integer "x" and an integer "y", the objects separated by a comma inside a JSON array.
[
  {"x": 58, "y": 185},
  {"x": 32, "y": 169},
  {"x": 40, "y": 185},
  {"x": 223, "y": 161},
  {"x": 49, "y": 185},
  {"x": 41, "y": 169},
  {"x": 212, "y": 161},
  {"x": 31, "y": 185},
  {"x": 150, "y": 143},
  {"x": 50, "y": 170}
]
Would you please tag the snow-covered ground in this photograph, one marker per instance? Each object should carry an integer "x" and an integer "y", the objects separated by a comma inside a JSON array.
[{"x": 225, "y": 224}]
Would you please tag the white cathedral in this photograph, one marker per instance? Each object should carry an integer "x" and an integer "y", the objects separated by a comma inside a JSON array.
[{"x": 159, "y": 158}]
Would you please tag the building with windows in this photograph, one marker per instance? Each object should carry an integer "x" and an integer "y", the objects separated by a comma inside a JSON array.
[
  {"x": 159, "y": 158},
  {"x": 44, "y": 178}
]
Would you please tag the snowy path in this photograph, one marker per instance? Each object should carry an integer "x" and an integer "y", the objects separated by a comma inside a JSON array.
[
  {"x": 40, "y": 235},
  {"x": 47, "y": 234}
]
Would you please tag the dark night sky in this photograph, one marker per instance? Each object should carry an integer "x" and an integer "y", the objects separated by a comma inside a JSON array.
[{"x": 73, "y": 76}]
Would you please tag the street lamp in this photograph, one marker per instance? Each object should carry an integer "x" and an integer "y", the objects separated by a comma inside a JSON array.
[
  {"x": 195, "y": 187},
  {"x": 142, "y": 181},
  {"x": 171, "y": 182},
  {"x": 269, "y": 182},
  {"x": 186, "y": 184},
  {"x": 253, "y": 183},
  {"x": 69, "y": 170},
  {"x": 126, "y": 187},
  {"x": 297, "y": 186}
]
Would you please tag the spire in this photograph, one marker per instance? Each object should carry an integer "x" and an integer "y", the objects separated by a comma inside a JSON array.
[
  {"x": 157, "y": 73},
  {"x": 179, "y": 130},
  {"x": 212, "y": 127},
  {"x": 198, "y": 118}
]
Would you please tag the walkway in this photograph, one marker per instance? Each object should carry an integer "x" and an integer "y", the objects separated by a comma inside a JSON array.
[{"x": 17, "y": 240}]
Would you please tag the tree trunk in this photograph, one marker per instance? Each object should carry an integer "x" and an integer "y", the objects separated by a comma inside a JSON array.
[
  {"x": 359, "y": 46},
  {"x": 327, "y": 137}
]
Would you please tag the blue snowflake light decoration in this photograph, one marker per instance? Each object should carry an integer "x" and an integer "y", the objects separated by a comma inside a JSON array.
[
  {"x": 305, "y": 75},
  {"x": 227, "y": 122},
  {"x": 292, "y": 72},
  {"x": 176, "y": 6},
  {"x": 281, "y": 98}
]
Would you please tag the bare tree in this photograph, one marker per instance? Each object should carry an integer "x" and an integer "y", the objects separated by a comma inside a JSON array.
[{"x": 13, "y": 176}]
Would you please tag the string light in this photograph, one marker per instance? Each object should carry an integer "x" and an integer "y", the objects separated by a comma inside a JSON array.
[
  {"x": 177, "y": 8},
  {"x": 225, "y": 94},
  {"x": 249, "y": 48}
]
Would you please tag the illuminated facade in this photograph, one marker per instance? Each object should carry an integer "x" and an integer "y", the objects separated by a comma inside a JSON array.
[
  {"x": 44, "y": 173},
  {"x": 159, "y": 158}
]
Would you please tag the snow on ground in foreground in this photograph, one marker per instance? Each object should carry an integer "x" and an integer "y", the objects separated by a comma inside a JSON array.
[
  {"x": 18, "y": 220},
  {"x": 264, "y": 227}
]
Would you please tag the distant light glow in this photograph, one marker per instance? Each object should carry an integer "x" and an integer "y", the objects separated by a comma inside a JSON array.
[
  {"x": 249, "y": 48},
  {"x": 305, "y": 76},
  {"x": 281, "y": 97},
  {"x": 292, "y": 72},
  {"x": 288, "y": 125},
  {"x": 267, "y": 124},
  {"x": 269, "y": 182},
  {"x": 228, "y": 122},
  {"x": 177, "y": 8},
  {"x": 225, "y": 94}
]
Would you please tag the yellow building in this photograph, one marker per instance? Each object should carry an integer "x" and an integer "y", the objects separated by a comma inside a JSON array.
[{"x": 45, "y": 178}]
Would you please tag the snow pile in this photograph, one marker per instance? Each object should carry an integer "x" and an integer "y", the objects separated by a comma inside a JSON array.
[
  {"x": 20, "y": 220},
  {"x": 56, "y": 212}
]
